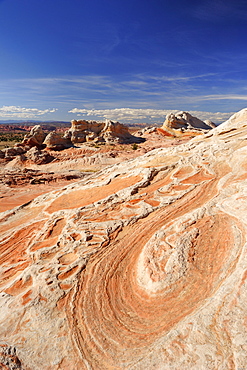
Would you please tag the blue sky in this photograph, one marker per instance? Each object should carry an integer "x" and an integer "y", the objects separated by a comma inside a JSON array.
[{"x": 126, "y": 60}]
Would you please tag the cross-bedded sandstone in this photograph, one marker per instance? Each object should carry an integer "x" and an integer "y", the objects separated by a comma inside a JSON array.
[{"x": 142, "y": 265}]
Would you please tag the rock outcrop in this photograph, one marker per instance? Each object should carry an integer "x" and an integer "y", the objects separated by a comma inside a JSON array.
[
  {"x": 23, "y": 154},
  {"x": 210, "y": 123},
  {"x": 54, "y": 141},
  {"x": 184, "y": 123},
  {"x": 37, "y": 156},
  {"x": 8, "y": 358},
  {"x": 80, "y": 132},
  {"x": 140, "y": 266},
  {"x": 35, "y": 137},
  {"x": 28, "y": 176},
  {"x": 108, "y": 131},
  {"x": 117, "y": 132},
  {"x": 10, "y": 153}
]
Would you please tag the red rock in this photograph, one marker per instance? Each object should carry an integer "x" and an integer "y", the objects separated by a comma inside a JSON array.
[{"x": 140, "y": 266}]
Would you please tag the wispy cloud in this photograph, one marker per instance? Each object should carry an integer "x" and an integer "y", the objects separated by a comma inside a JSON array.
[
  {"x": 181, "y": 78},
  {"x": 145, "y": 95},
  {"x": 222, "y": 97},
  {"x": 140, "y": 84},
  {"x": 21, "y": 112},
  {"x": 123, "y": 114},
  {"x": 216, "y": 117},
  {"x": 143, "y": 115}
]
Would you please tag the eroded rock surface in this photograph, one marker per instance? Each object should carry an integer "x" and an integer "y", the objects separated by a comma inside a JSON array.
[
  {"x": 35, "y": 137},
  {"x": 80, "y": 132},
  {"x": 55, "y": 141},
  {"x": 110, "y": 132},
  {"x": 184, "y": 123},
  {"x": 8, "y": 358},
  {"x": 140, "y": 266}
]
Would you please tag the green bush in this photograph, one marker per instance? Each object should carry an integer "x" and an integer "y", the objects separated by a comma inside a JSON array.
[{"x": 134, "y": 146}]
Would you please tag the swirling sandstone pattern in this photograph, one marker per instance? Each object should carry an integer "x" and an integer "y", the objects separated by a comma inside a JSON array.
[{"x": 141, "y": 266}]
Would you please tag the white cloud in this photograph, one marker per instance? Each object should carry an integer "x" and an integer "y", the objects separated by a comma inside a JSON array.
[
  {"x": 129, "y": 115},
  {"x": 138, "y": 90},
  {"x": 216, "y": 117},
  {"x": 222, "y": 97},
  {"x": 124, "y": 114},
  {"x": 12, "y": 111}
]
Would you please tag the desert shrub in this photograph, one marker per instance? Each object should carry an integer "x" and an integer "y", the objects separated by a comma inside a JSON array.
[{"x": 134, "y": 146}]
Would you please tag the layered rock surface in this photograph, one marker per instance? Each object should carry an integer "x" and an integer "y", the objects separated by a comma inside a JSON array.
[
  {"x": 80, "y": 132},
  {"x": 140, "y": 266},
  {"x": 54, "y": 141},
  {"x": 184, "y": 123},
  {"x": 110, "y": 132},
  {"x": 35, "y": 137}
]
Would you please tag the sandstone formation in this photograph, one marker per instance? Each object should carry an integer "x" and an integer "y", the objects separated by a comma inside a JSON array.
[
  {"x": 24, "y": 177},
  {"x": 210, "y": 123},
  {"x": 80, "y": 132},
  {"x": 184, "y": 123},
  {"x": 37, "y": 156},
  {"x": 20, "y": 155},
  {"x": 142, "y": 265},
  {"x": 117, "y": 132},
  {"x": 110, "y": 132},
  {"x": 27, "y": 176},
  {"x": 35, "y": 137},
  {"x": 18, "y": 187},
  {"x": 10, "y": 153},
  {"x": 54, "y": 141}
]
